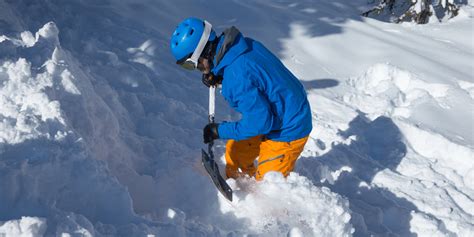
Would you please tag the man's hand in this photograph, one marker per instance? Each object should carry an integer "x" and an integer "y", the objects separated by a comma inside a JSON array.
[
  {"x": 210, "y": 132},
  {"x": 211, "y": 80}
]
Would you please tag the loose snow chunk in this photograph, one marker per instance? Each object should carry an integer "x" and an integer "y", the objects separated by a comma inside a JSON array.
[
  {"x": 25, "y": 227},
  {"x": 144, "y": 54},
  {"x": 289, "y": 207},
  {"x": 25, "y": 108},
  {"x": 28, "y": 39},
  {"x": 468, "y": 87},
  {"x": 68, "y": 84},
  {"x": 171, "y": 213},
  {"x": 50, "y": 32},
  {"x": 295, "y": 232}
]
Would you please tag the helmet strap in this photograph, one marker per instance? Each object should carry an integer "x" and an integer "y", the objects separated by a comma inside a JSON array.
[
  {"x": 210, "y": 51},
  {"x": 202, "y": 43}
]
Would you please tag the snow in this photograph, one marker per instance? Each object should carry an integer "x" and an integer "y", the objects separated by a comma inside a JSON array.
[
  {"x": 100, "y": 131},
  {"x": 26, "y": 110},
  {"x": 467, "y": 86},
  {"x": 419, "y": 6},
  {"x": 390, "y": 91},
  {"x": 24, "y": 227},
  {"x": 279, "y": 207}
]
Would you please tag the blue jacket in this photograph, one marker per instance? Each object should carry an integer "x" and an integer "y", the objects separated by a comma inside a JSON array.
[{"x": 270, "y": 98}]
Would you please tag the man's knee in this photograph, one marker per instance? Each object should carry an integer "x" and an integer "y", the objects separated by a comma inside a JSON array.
[
  {"x": 279, "y": 156},
  {"x": 240, "y": 156}
]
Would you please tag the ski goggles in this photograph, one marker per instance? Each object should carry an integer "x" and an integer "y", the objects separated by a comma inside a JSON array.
[{"x": 190, "y": 63}]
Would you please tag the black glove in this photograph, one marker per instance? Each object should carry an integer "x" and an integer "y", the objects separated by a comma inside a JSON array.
[
  {"x": 211, "y": 80},
  {"x": 210, "y": 132}
]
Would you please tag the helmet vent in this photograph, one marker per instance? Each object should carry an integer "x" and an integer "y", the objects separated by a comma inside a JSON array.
[{"x": 187, "y": 36}]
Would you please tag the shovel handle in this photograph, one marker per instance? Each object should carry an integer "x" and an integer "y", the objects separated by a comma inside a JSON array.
[
  {"x": 212, "y": 112},
  {"x": 212, "y": 103}
]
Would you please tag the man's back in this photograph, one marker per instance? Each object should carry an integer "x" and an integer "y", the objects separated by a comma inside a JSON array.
[{"x": 258, "y": 67}]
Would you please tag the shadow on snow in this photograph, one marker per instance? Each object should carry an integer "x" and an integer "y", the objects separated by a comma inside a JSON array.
[
  {"x": 378, "y": 145},
  {"x": 320, "y": 84}
]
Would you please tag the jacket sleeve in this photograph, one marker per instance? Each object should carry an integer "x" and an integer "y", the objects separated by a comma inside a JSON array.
[{"x": 257, "y": 117}]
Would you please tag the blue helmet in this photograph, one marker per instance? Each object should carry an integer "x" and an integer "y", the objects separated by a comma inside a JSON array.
[{"x": 186, "y": 37}]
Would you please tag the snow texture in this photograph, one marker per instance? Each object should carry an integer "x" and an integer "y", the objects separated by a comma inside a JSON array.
[
  {"x": 275, "y": 207},
  {"x": 25, "y": 227},
  {"x": 100, "y": 131}
]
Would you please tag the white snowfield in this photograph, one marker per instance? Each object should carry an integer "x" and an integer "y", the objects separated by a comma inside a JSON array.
[{"x": 100, "y": 131}]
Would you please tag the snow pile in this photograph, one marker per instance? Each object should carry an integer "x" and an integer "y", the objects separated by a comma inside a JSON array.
[
  {"x": 390, "y": 91},
  {"x": 393, "y": 138},
  {"x": 26, "y": 111},
  {"x": 383, "y": 147},
  {"x": 25, "y": 227},
  {"x": 441, "y": 168},
  {"x": 288, "y": 207},
  {"x": 45, "y": 167}
]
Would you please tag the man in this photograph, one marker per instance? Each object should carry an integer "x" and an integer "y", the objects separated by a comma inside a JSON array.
[{"x": 276, "y": 116}]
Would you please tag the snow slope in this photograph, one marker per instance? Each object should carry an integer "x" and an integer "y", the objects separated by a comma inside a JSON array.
[{"x": 100, "y": 133}]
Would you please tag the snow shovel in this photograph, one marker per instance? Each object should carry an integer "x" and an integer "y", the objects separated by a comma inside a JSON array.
[{"x": 208, "y": 158}]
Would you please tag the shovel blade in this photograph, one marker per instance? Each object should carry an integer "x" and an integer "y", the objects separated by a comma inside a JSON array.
[{"x": 213, "y": 170}]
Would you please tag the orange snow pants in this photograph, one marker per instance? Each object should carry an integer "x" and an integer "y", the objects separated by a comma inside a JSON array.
[{"x": 272, "y": 156}]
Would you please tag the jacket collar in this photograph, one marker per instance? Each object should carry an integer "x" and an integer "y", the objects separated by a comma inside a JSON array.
[{"x": 229, "y": 49}]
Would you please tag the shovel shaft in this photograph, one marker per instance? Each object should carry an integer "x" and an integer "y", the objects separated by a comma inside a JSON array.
[
  {"x": 208, "y": 159},
  {"x": 212, "y": 112},
  {"x": 212, "y": 103}
]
